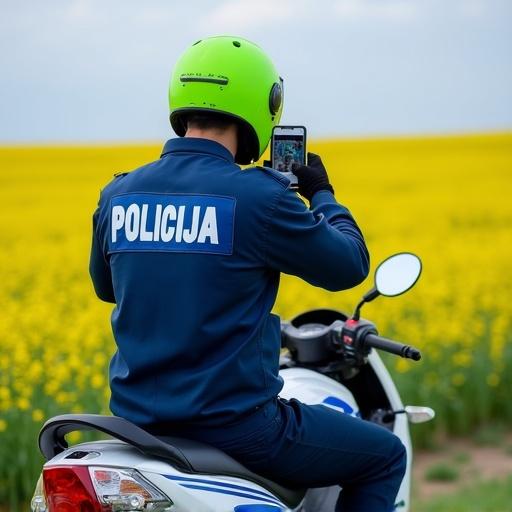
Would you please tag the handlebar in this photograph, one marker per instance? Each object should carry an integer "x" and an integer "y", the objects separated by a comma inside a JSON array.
[{"x": 393, "y": 347}]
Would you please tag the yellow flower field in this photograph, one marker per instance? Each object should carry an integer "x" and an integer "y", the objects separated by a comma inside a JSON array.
[{"x": 448, "y": 199}]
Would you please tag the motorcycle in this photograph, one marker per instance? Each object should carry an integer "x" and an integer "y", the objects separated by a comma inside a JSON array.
[{"x": 328, "y": 358}]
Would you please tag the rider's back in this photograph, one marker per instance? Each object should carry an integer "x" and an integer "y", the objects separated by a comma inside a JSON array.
[
  {"x": 190, "y": 247},
  {"x": 190, "y": 325}
]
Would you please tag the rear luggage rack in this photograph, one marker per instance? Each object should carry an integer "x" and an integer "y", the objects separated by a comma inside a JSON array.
[{"x": 52, "y": 436}]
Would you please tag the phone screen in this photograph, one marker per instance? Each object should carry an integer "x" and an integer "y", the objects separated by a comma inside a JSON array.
[{"x": 287, "y": 149}]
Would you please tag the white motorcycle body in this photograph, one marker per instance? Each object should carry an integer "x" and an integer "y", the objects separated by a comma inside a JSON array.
[
  {"x": 209, "y": 492},
  {"x": 139, "y": 472}
]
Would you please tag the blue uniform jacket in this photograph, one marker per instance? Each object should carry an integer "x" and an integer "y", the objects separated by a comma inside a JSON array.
[{"x": 190, "y": 248}]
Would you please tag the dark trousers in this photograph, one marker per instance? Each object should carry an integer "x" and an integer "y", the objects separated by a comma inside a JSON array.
[{"x": 314, "y": 446}]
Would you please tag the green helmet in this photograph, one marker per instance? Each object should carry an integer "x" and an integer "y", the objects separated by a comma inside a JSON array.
[{"x": 230, "y": 76}]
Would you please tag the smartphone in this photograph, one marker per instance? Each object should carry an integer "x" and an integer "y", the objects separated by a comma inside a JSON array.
[{"x": 288, "y": 147}]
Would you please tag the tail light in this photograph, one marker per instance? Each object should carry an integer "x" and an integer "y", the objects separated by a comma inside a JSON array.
[
  {"x": 126, "y": 489},
  {"x": 96, "y": 489}
]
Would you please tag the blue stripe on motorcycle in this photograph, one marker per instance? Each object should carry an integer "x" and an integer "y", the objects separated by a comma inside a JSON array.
[
  {"x": 232, "y": 493},
  {"x": 340, "y": 404},
  {"x": 220, "y": 484}
]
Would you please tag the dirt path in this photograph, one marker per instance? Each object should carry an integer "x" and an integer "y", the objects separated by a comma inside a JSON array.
[{"x": 472, "y": 462}]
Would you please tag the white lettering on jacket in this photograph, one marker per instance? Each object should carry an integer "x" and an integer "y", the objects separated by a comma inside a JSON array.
[{"x": 169, "y": 224}]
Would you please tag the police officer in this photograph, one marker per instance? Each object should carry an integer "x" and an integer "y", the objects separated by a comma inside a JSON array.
[{"x": 190, "y": 248}]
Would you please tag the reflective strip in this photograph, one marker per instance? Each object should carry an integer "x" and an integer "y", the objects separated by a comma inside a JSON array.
[{"x": 205, "y": 79}]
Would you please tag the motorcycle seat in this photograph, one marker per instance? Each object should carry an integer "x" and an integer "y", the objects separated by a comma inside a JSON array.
[{"x": 184, "y": 454}]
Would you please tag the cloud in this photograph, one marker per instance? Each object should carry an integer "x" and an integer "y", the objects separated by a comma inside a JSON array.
[
  {"x": 386, "y": 10},
  {"x": 80, "y": 10},
  {"x": 248, "y": 15},
  {"x": 237, "y": 15},
  {"x": 473, "y": 8}
]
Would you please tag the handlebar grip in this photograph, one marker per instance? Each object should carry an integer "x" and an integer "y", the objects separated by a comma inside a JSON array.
[{"x": 393, "y": 347}]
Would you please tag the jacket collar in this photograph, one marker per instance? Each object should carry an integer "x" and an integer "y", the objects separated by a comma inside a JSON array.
[{"x": 196, "y": 145}]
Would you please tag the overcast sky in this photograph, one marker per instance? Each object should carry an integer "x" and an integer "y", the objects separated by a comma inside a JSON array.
[{"x": 98, "y": 70}]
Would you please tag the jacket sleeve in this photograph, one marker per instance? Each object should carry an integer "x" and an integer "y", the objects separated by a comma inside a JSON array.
[
  {"x": 99, "y": 268},
  {"x": 322, "y": 245}
]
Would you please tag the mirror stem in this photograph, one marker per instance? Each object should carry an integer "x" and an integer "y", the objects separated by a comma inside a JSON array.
[
  {"x": 357, "y": 312},
  {"x": 367, "y": 297},
  {"x": 372, "y": 294}
]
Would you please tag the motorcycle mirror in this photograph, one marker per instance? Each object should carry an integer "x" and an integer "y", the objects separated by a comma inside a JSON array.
[
  {"x": 394, "y": 276},
  {"x": 397, "y": 274},
  {"x": 417, "y": 414}
]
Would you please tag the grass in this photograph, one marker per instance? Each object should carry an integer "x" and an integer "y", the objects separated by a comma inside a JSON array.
[
  {"x": 461, "y": 458},
  {"x": 490, "y": 435},
  {"x": 442, "y": 472},
  {"x": 494, "y": 496}
]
